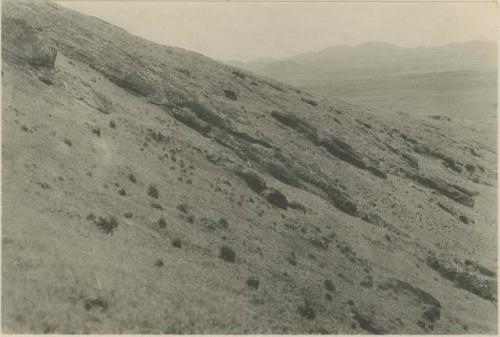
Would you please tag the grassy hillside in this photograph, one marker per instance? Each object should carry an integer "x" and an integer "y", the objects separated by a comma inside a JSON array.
[{"x": 149, "y": 189}]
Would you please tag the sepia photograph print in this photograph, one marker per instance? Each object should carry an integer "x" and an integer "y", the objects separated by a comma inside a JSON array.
[{"x": 249, "y": 167}]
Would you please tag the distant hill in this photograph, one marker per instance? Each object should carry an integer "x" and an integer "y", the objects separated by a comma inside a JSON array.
[
  {"x": 252, "y": 65},
  {"x": 457, "y": 80},
  {"x": 377, "y": 57}
]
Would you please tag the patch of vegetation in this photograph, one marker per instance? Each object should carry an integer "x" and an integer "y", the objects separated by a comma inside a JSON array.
[
  {"x": 292, "y": 259},
  {"x": 367, "y": 282},
  {"x": 132, "y": 178},
  {"x": 231, "y": 95},
  {"x": 96, "y": 131},
  {"x": 98, "y": 303},
  {"x": 162, "y": 223},
  {"x": 44, "y": 185},
  {"x": 177, "y": 243},
  {"x": 153, "y": 192},
  {"x": 253, "y": 282},
  {"x": 307, "y": 310},
  {"x": 107, "y": 224},
  {"x": 182, "y": 207},
  {"x": 329, "y": 286},
  {"x": 227, "y": 254}
]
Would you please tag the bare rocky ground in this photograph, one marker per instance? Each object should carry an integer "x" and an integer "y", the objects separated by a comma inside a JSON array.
[{"x": 149, "y": 189}]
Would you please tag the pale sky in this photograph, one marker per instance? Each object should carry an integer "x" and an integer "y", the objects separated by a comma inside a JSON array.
[{"x": 244, "y": 31}]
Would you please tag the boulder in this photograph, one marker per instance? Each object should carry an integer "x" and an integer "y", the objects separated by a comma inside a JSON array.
[
  {"x": 252, "y": 179},
  {"x": 29, "y": 45},
  {"x": 276, "y": 198}
]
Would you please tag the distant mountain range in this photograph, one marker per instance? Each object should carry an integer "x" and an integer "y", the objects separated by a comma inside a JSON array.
[
  {"x": 378, "y": 57},
  {"x": 457, "y": 80}
]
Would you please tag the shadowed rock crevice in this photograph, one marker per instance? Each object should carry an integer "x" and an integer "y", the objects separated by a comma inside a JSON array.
[
  {"x": 203, "y": 119},
  {"x": 289, "y": 170},
  {"x": 451, "y": 191},
  {"x": 332, "y": 144}
]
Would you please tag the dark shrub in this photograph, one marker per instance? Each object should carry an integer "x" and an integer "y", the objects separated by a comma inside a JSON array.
[
  {"x": 107, "y": 224},
  {"x": 177, "y": 243},
  {"x": 153, "y": 192},
  {"x": 227, "y": 254},
  {"x": 292, "y": 259},
  {"x": 182, "y": 207},
  {"x": 230, "y": 94},
  {"x": 253, "y": 282},
  {"x": 307, "y": 310},
  {"x": 329, "y": 285},
  {"x": 97, "y": 303}
]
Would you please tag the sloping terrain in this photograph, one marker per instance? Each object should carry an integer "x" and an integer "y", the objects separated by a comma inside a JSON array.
[{"x": 149, "y": 189}]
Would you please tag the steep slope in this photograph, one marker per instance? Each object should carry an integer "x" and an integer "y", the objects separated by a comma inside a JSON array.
[{"x": 150, "y": 189}]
